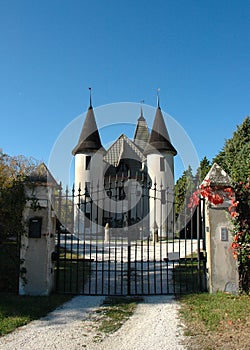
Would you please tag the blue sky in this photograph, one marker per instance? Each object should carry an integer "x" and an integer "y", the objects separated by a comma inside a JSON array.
[{"x": 196, "y": 51}]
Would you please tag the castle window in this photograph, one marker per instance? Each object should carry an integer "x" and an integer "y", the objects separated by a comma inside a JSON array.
[
  {"x": 87, "y": 220},
  {"x": 121, "y": 193},
  {"x": 87, "y": 165},
  {"x": 87, "y": 189},
  {"x": 122, "y": 169},
  {"x": 162, "y": 164}
]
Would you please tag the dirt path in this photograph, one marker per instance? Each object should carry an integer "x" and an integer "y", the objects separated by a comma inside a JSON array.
[{"x": 154, "y": 326}]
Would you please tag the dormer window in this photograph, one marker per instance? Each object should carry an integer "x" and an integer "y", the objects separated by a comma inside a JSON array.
[
  {"x": 162, "y": 164},
  {"x": 88, "y": 160}
]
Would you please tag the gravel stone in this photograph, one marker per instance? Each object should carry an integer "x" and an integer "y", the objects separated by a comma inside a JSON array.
[{"x": 154, "y": 326}]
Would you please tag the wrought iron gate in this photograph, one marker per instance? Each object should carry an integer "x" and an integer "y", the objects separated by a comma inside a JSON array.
[{"x": 102, "y": 253}]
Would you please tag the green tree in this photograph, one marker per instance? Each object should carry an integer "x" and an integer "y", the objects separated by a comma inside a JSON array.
[
  {"x": 184, "y": 187},
  {"x": 234, "y": 158},
  {"x": 188, "y": 183},
  {"x": 202, "y": 171},
  {"x": 13, "y": 173}
]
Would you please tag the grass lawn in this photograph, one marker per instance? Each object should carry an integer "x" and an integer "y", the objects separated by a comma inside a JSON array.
[
  {"x": 216, "y": 321},
  {"x": 114, "y": 312},
  {"x": 16, "y": 311},
  {"x": 186, "y": 276}
]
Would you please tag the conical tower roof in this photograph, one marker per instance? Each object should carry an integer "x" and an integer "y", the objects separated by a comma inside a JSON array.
[
  {"x": 89, "y": 140},
  {"x": 141, "y": 135},
  {"x": 159, "y": 138}
]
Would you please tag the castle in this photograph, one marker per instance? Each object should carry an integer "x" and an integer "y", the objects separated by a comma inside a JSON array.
[{"x": 131, "y": 184}]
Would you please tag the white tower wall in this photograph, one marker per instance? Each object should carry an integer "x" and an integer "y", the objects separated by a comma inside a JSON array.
[
  {"x": 81, "y": 174},
  {"x": 160, "y": 168},
  {"x": 170, "y": 193},
  {"x": 89, "y": 173}
]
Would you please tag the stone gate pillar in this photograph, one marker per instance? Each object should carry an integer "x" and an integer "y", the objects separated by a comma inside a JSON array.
[
  {"x": 38, "y": 241},
  {"x": 221, "y": 266}
]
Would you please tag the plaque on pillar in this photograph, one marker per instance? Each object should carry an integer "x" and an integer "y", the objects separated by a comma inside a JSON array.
[
  {"x": 35, "y": 227},
  {"x": 224, "y": 234}
]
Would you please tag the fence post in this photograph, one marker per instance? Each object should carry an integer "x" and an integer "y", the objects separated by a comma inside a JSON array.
[{"x": 107, "y": 233}]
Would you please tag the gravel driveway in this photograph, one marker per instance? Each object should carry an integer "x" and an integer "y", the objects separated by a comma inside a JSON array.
[{"x": 154, "y": 326}]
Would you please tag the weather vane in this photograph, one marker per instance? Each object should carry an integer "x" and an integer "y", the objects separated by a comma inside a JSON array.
[
  {"x": 158, "y": 97},
  {"x": 90, "y": 96},
  {"x": 141, "y": 102}
]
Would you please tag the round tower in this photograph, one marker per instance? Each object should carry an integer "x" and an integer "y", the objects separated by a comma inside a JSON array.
[
  {"x": 160, "y": 162},
  {"x": 88, "y": 155}
]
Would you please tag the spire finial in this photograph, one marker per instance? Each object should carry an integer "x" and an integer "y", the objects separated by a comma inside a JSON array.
[
  {"x": 90, "y": 97},
  {"x": 158, "y": 97},
  {"x": 141, "y": 102}
]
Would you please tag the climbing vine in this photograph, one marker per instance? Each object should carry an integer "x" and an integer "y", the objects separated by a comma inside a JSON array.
[
  {"x": 15, "y": 175},
  {"x": 239, "y": 197}
]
